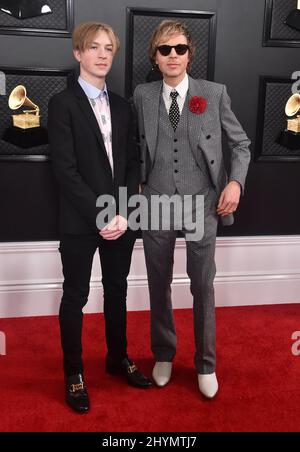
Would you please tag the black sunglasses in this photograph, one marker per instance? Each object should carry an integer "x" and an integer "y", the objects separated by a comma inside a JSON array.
[{"x": 180, "y": 49}]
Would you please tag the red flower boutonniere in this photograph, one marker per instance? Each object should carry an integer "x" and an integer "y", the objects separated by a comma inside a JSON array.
[{"x": 197, "y": 105}]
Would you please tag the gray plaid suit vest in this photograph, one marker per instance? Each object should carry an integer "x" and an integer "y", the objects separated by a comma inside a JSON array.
[{"x": 175, "y": 169}]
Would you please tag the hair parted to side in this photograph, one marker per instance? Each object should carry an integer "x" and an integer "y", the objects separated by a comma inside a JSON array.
[
  {"x": 166, "y": 29},
  {"x": 84, "y": 34}
]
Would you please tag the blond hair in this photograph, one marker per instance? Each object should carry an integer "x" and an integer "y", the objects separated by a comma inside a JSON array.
[
  {"x": 168, "y": 28},
  {"x": 84, "y": 34}
]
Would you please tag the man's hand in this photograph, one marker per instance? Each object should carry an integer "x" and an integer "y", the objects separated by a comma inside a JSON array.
[
  {"x": 229, "y": 199},
  {"x": 114, "y": 229}
]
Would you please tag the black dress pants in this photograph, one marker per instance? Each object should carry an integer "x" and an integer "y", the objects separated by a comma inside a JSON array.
[{"x": 77, "y": 252}]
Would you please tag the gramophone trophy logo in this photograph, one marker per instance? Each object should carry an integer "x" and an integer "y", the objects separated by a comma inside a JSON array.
[
  {"x": 26, "y": 130},
  {"x": 29, "y": 118},
  {"x": 290, "y": 137}
]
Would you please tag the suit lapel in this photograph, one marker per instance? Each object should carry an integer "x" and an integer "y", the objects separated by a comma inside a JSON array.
[
  {"x": 151, "y": 103},
  {"x": 151, "y": 112},
  {"x": 87, "y": 110},
  {"x": 115, "y": 124},
  {"x": 195, "y": 121}
]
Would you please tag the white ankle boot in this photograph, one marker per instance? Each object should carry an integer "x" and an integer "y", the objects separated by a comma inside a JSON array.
[
  {"x": 208, "y": 385},
  {"x": 162, "y": 373}
]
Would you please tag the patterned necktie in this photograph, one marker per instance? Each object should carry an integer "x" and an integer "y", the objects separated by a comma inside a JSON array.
[
  {"x": 102, "y": 113},
  {"x": 174, "y": 113}
]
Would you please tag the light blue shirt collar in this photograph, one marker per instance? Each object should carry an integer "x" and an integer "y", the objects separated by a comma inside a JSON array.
[{"x": 91, "y": 91}]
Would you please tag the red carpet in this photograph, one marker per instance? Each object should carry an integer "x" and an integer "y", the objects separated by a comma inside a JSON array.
[{"x": 258, "y": 374}]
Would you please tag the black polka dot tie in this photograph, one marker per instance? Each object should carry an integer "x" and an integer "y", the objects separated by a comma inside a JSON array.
[{"x": 174, "y": 113}]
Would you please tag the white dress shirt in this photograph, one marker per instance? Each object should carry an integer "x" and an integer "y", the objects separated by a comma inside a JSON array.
[
  {"x": 181, "y": 89},
  {"x": 99, "y": 101}
]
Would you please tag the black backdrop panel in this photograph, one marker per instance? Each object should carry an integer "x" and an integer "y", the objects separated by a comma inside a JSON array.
[
  {"x": 140, "y": 25},
  {"x": 58, "y": 23},
  {"x": 272, "y": 120},
  {"x": 281, "y": 10},
  {"x": 277, "y": 32},
  {"x": 41, "y": 85}
]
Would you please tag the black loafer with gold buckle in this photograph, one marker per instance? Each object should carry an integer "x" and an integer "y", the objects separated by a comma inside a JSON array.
[
  {"x": 127, "y": 368},
  {"x": 76, "y": 394}
]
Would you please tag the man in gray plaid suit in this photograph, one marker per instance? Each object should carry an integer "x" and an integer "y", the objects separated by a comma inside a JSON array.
[{"x": 180, "y": 126}]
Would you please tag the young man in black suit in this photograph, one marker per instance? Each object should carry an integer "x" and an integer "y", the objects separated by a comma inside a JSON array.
[{"x": 93, "y": 153}]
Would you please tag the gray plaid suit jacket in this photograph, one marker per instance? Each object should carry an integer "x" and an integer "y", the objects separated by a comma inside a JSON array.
[{"x": 205, "y": 132}]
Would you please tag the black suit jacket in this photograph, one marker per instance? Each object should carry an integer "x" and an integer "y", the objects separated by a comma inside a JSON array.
[{"x": 80, "y": 160}]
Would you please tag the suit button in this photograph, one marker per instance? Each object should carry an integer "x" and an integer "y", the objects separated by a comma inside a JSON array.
[
  {"x": 175, "y": 140},
  {"x": 141, "y": 161},
  {"x": 175, "y": 161},
  {"x": 175, "y": 150},
  {"x": 143, "y": 137},
  {"x": 208, "y": 137},
  {"x": 212, "y": 162},
  {"x": 176, "y": 171}
]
